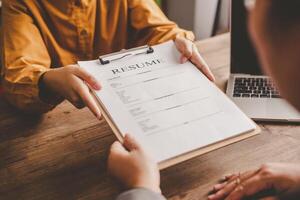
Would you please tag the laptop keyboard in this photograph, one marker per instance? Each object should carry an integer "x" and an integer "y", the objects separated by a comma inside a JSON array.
[{"x": 255, "y": 88}]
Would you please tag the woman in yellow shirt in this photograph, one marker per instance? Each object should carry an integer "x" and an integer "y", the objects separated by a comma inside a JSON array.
[{"x": 43, "y": 40}]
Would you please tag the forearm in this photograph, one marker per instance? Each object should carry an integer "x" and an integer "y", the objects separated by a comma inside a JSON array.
[
  {"x": 140, "y": 194},
  {"x": 151, "y": 26},
  {"x": 167, "y": 32},
  {"x": 26, "y": 95}
]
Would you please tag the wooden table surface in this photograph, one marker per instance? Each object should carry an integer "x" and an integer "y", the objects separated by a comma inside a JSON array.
[{"x": 62, "y": 155}]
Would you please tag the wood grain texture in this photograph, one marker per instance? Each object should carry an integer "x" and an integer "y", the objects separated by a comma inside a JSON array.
[{"x": 62, "y": 155}]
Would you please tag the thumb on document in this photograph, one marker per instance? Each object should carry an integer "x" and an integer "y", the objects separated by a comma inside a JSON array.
[
  {"x": 118, "y": 149},
  {"x": 133, "y": 166},
  {"x": 130, "y": 143}
]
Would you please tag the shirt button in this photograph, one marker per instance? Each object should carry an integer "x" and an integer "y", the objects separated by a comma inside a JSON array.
[
  {"x": 83, "y": 32},
  {"x": 78, "y": 3}
]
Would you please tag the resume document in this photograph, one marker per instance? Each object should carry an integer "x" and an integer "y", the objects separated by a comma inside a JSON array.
[{"x": 171, "y": 108}]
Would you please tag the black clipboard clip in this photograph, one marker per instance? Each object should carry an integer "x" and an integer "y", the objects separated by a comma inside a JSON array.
[{"x": 106, "y": 59}]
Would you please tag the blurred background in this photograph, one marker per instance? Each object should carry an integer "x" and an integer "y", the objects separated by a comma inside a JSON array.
[{"x": 205, "y": 18}]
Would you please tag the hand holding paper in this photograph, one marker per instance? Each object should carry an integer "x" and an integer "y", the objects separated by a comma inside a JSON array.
[
  {"x": 68, "y": 82},
  {"x": 190, "y": 52},
  {"x": 133, "y": 166}
]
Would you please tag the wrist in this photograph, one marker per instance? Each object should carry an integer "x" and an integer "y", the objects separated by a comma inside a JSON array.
[{"x": 46, "y": 94}]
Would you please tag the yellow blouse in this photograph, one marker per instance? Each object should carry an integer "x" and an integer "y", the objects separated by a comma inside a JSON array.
[{"x": 40, "y": 35}]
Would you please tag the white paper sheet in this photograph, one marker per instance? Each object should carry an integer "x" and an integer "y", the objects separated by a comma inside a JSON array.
[{"x": 171, "y": 108}]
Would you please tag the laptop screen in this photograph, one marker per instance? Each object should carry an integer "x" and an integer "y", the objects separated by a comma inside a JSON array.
[{"x": 243, "y": 56}]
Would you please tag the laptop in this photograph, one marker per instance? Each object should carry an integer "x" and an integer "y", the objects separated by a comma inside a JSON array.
[{"x": 248, "y": 87}]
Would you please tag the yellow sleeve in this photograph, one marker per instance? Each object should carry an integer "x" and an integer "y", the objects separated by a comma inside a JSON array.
[
  {"x": 150, "y": 25},
  {"x": 24, "y": 58}
]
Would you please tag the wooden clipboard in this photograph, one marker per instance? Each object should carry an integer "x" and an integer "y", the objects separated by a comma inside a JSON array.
[{"x": 183, "y": 157}]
